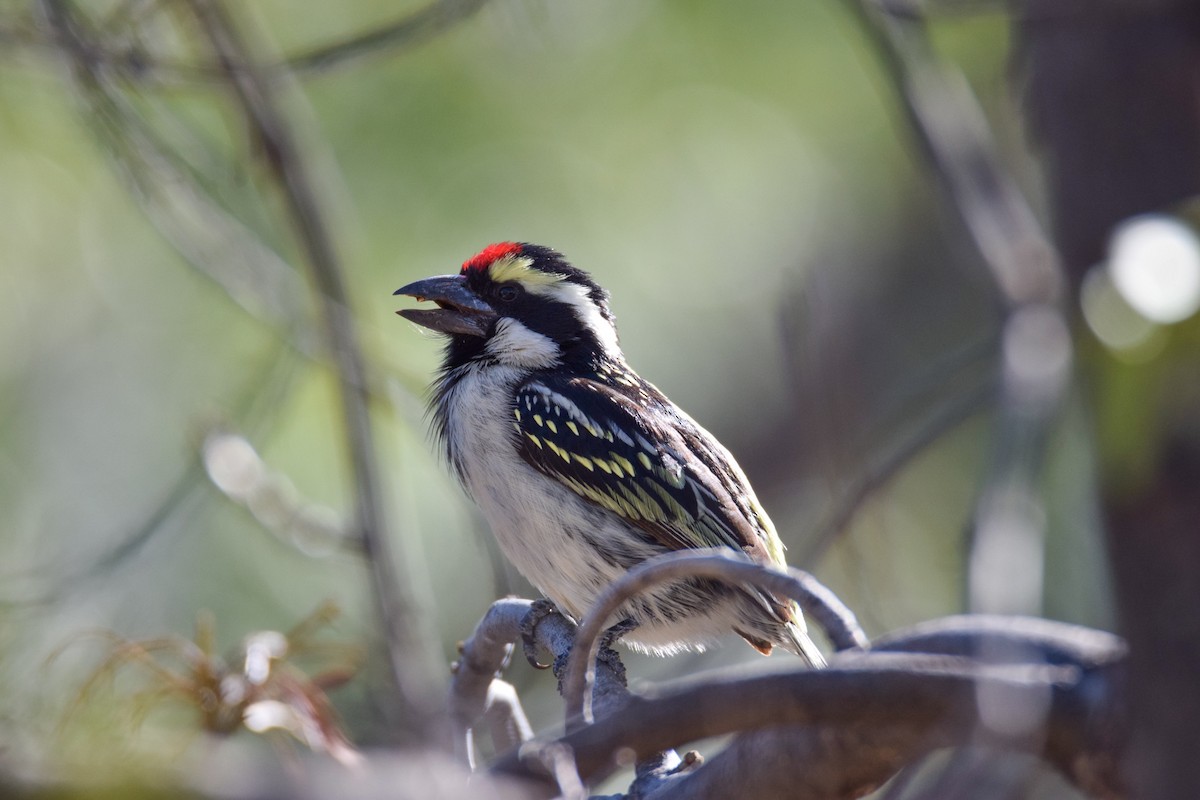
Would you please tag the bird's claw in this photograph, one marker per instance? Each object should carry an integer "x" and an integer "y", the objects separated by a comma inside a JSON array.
[{"x": 538, "y": 611}]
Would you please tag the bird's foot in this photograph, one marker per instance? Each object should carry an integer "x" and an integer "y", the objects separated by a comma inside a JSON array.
[
  {"x": 605, "y": 654},
  {"x": 537, "y": 612},
  {"x": 609, "y": 656},
  {"x": 613, "y": 634}
]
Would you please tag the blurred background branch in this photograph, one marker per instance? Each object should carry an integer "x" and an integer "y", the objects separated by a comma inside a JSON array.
[
  {"x": 1035, "y": 352},
  {"x": 1117, "y": 192},
  {"x": 413, "y": 711},
  {"x": 128, "y": 52},
  {"x": 887, "y": 379}
]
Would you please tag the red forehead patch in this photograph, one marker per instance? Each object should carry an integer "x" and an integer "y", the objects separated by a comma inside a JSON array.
[{"x": 493, "y": 252}]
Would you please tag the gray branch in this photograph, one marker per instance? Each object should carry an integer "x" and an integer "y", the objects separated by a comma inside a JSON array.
[
  {"x": 473, "y": 687},
  {"x": 838, "y": 732},
  {"x": 820, "y": 604}
]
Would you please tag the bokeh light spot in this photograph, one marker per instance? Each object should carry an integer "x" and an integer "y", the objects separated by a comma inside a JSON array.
[
  {"x": 232, "y": 465},
  {"x": 1154, "y": 261}
]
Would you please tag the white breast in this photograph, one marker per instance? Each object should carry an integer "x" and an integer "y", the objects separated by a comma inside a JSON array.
[
  {"x": 522, "y": 506},
  {"x": 563, "y": 555}
]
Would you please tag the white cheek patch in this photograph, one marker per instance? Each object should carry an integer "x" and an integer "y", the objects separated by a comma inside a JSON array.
[
  {"x": 515, "y": 345},
  {"x": 576, "y": 296}
]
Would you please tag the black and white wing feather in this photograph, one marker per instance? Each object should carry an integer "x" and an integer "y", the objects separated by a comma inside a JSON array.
[{"x": 624, "y": 446}]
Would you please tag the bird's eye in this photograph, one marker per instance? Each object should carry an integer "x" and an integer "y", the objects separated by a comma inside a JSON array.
[{"x": 508, "y": 292}]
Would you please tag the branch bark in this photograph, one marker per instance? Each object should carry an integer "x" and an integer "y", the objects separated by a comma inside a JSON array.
[
  {"x": 485, "y": 654},
  {"x": 833, "y": 733},
  {"x": 850, "y": 726}
]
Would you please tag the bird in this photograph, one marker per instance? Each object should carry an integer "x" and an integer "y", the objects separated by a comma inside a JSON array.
[{"x": 582, "y": 468}]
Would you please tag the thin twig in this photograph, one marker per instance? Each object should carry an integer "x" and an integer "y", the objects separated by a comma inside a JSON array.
[
  {"x": 559, "y": 761},
  {"x": 236, "y": 469},
  {"x": 408, "y": 31},
  {"x": 414, "y": 707},
  {"x": 133, "y": 64},
  {"x": 879, "y": 471},
  {"x": 177, "y": 199},
  {"x": 721, "y": 564},
  {"x": 181, "y": 205}
]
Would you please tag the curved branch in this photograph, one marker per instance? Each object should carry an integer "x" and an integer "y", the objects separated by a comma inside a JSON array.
[
  {"x": 505, "y": 717},
  {"x": 881, "y": 470},
  {"x": 1011, "y": 639},
  {"x": 860, "y": 706},
  {"x": 831, "y": 762},
  {"x": 485, "y": 654},
  {"x": 721, "y": 564}
]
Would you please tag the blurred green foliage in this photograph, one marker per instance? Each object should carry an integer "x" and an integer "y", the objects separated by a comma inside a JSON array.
[{"x": 736, "y": 176}]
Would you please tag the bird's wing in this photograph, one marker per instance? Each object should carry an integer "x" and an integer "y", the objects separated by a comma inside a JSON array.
[{"x": 661, "y": 472}]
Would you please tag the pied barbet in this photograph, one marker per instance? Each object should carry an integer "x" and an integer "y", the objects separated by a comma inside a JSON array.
[{"x": 582, "y": 468}]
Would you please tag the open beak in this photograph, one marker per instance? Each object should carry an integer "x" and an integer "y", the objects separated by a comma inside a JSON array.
[{"x": 459, "y": 309}]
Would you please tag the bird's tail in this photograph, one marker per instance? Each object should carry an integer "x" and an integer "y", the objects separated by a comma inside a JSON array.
[{"x": 798, "y": 642}]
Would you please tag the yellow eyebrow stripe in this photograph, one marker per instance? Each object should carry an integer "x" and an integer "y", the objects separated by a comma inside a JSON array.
[{"x": 520, "y": 269}]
